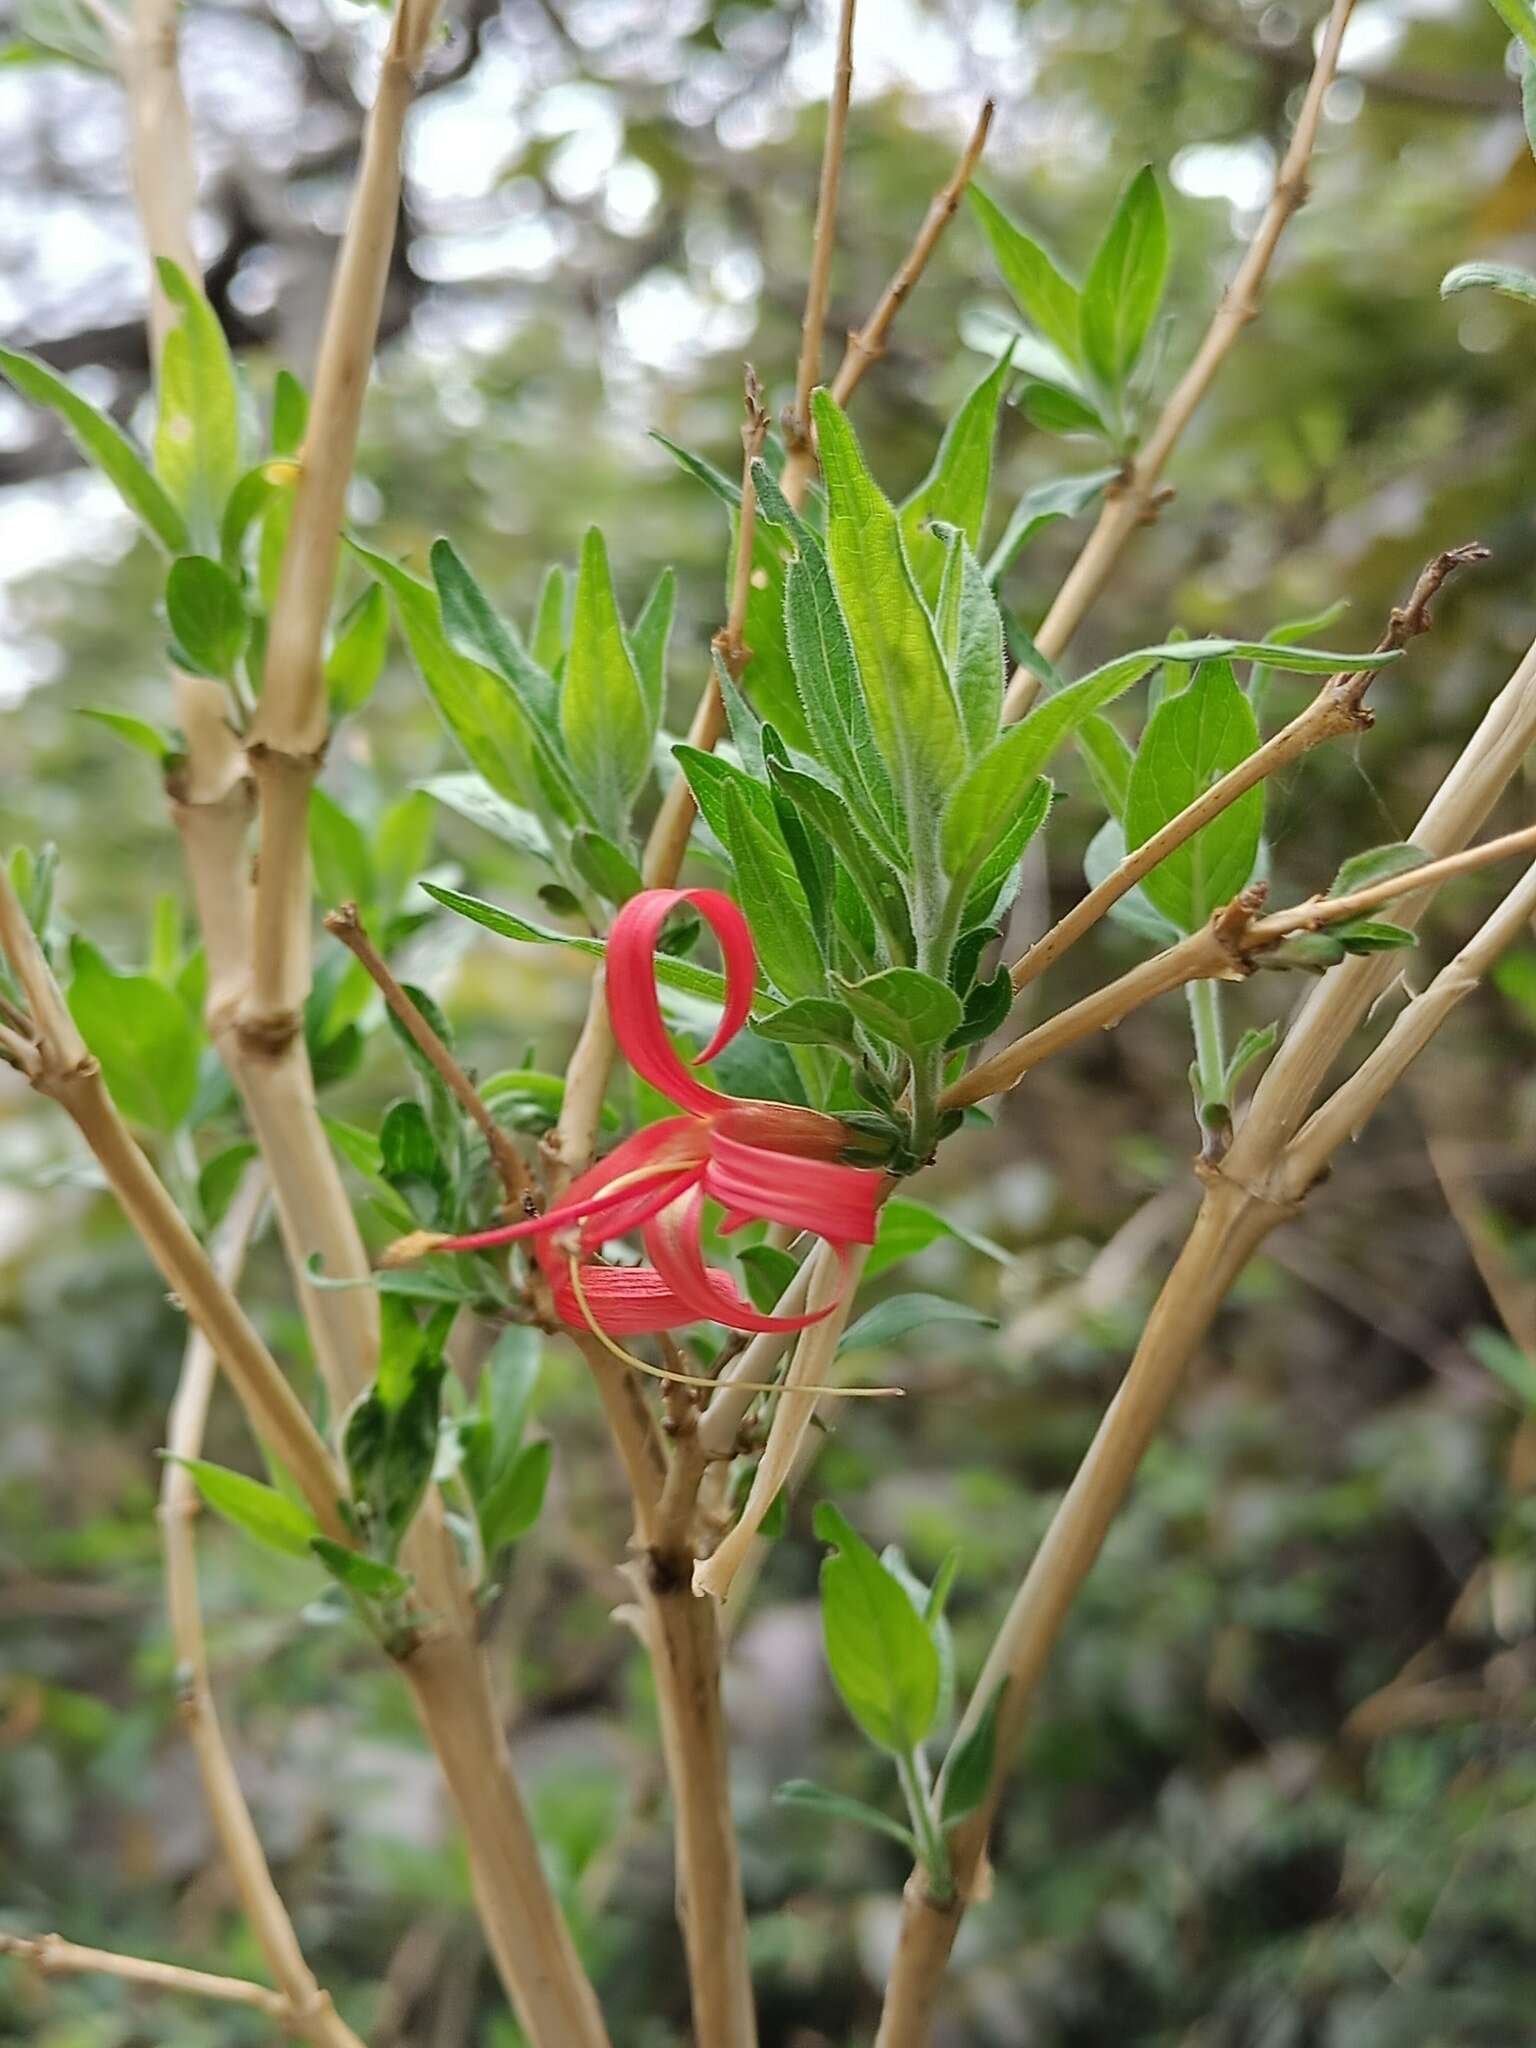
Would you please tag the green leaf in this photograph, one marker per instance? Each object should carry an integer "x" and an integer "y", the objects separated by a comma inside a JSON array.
[
  {"x": 824, "y": 813},
  {"x": 290, "y": 413},
  {"x": 356, "y": 659},
  {"x": 516, "y": 1500},
  {"x": 1109, "y": 760},
  {"x": 994, "y": 887},
  {"x": 389, "y": 1439},
  {"x": 143, "y": 1034},
  {"x": 197, "y": 436},
  {"x": 989, "y": 797},
  {"x": 605, "y": 867},
  {"x": 904, "y": 1007},
  {"x": 907, "y": 1227},
  {"x": 670, "y": 971},
  {"x": 1105, "y": 852},
  {"x": 1192, "y": 740},
  {"x": 1064, "y": 497},
  {"x": 768, "y": 1272},
  {"x": 528, "y": 1101},
  {"x": 1505, "y": 278},
  {"x": 206, "y": 614},
  {"x": 547, "y": 646},
  {"x": 895, "y": 1317},
  {"x": 1044, "y": 295},
  {"x": 1373, "y": 935},
  {"x": 912, "y": 704},
  {"x": 802, "y": 1792},
  {"x": 261, "y": 1511},
  {"x": 956, "y": 488},
  {"x": 773, "y": 898},
  {"x": 104, "y": 444},
  {"x": 138, "y": 732},
  {"x": 1253, "y": 1045},
  {"x": 478, "y": 706},
  {"x": 1376, "y": 864},
  {"x": 472, "y": 797},
  {"x": 882, "y": 1658},
  {"x": 1125, "y": 282},
  {"x": 604, "y": 714},
  {"x": 836, "y": 714},
  {"x": 363, "y": 1576},
  {"x": 477, "y": 630},
  {"x": 648, "y": 641},
  {"x": 814, "y": 1020},
  {"x": 987, "y": 1004},
  {"x": 1507, "y": 1362},
  {"x": 970, "y": 629},
  {"x": 339, "y": 849},
  {"x": 968, "y": 1768},
  {"x": 1056, "y": 410}
]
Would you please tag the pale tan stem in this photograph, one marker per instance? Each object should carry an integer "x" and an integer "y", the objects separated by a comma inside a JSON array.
[
  {"x": 1337, "y": 711},
  {"x": 52, "y": 1956},
  {"x": 289, "y": 732},
  {"x": 736, "y": 1388},
  {"x": 160, "y": 153},
  {"x": 832, "y": 1288},
  {"x": 1132, "y": 499},
  {"x": 683, "y": 1637},
  {"x": 635, "y": 1435},
  {"x": 1226, "y": 1231},
  {"x": 314, "y": 2016},
  {"x": 345, "y": 924},
  {"x": 824, "y": 236}
]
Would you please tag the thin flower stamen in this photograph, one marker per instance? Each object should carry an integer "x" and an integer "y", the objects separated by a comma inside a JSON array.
[{"x": 690, "y": 1379}]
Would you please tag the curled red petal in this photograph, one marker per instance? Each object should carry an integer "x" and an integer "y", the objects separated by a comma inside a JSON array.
[
  {"x": 839, "y": 1203},
  {"x": 632, "y": 995},
  {"x": 624, "y": 1301},
  {"x": 676, "y": 1250},
  {"x": 593, "y": 1194}
]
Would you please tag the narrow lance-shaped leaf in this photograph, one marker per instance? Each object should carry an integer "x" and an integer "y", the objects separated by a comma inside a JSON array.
[
  {"x": 103, "y": 443},
  {"x": 197, "y": 436},
  {"x": 956, "y": 488},
  {"x": 827, "y": 678},
  {"x": 473, "y": 624},
  {"x": 648, "y": 641},
  {"x": 604, "y": 714},
  {"x": 1045, "y": 295},
  {"x": 971, "y": 634},
  {"x": 261, "y": 1511},
  {"x": 912, "y": 704},
  {"x": 1125, "y": 283}
]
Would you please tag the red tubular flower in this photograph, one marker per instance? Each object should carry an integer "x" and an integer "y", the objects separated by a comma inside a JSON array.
[{"x": 762, "y": 1161}]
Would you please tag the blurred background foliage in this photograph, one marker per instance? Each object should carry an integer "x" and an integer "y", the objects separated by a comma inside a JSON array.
[{"x": 608, "y": 208}]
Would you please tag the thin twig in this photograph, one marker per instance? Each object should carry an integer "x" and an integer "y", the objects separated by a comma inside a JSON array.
[
  {"x": 52, "y": 1956},
  {"x": 313, "y": 2015},
  {"x": 1225, "y": 949},
  {"x": 1133, "y": 498},
  {"x": 1337, "y": 710},
  {"x": 824, "y": 236},
  {"x": 345, "y": 924},
  {"x": 866, "y": 344}
]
